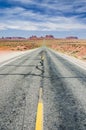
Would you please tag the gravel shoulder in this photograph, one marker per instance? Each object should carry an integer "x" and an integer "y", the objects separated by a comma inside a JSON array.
[{"x": 7, "y": 55}]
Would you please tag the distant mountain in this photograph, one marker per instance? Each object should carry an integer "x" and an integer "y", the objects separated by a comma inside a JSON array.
[
  {"x": 49, "y": 37},
  {"x": 13, "y": 38},
  {"x": 46, "y": 37},
  {"x": 71, "y": 37},
  {"x": 34, "y": 37}
]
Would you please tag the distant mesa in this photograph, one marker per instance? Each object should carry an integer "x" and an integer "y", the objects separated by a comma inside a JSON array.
[
  {"x": 49, "y": 37},
  {"x": 71, "y": 37},
  {"x": 34, "y": 37},
  {"x": 13, "y": 38},
  {"x": 46, "y": 37}
]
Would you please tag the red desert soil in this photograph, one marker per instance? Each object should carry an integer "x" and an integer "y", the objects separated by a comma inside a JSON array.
[
  {"x": 76, "y": 48},
  {"x": 4, "y": 50}
]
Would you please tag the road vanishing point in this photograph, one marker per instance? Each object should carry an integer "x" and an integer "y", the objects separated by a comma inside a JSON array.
[{"x": 42, "y": 90}]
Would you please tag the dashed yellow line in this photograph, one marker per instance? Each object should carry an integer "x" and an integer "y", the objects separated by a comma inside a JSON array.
[
  {"x": 39, "y": 118},
  {"x": 42, "y": 58}
]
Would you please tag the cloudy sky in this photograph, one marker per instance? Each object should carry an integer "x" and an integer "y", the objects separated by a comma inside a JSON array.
[{"x": 60, "y": 18}]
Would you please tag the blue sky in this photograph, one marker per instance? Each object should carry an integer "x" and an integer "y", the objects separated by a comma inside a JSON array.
[{"x": 60, "y": 18}]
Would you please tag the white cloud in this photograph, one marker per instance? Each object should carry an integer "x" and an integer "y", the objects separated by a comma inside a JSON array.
[
  {"x": 49, "y": 25},
  {"x": 19, "y": 25},
  {"x": 2, "y": 26},
  {"x": 46, "y": 22},
  {"x": 63, "y": 26}
]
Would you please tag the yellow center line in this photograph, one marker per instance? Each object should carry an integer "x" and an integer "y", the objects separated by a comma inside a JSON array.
[
  {"x": 42, "y": 57},
  {"x": 39, "y": 118}
]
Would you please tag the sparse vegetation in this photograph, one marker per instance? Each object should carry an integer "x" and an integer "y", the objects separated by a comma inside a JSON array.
[
  {"x": 74, "y": 47},
  {"x": 18, "y": 44}
]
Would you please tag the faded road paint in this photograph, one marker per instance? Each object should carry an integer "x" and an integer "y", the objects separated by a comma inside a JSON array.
[{"x": 39, "y": 118}]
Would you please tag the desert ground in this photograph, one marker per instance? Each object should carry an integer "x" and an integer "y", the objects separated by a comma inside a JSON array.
[{"x": 72, "y": 47}]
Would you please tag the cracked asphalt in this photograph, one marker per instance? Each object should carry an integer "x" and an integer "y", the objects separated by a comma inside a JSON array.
[{"x": 64, "y": 92}]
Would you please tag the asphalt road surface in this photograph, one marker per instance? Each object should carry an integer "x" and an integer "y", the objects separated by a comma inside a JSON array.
[{"x": 64, "y": 92}]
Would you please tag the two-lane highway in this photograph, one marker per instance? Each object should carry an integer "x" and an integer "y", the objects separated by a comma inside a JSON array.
[{"x": 63, "y": 87}]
